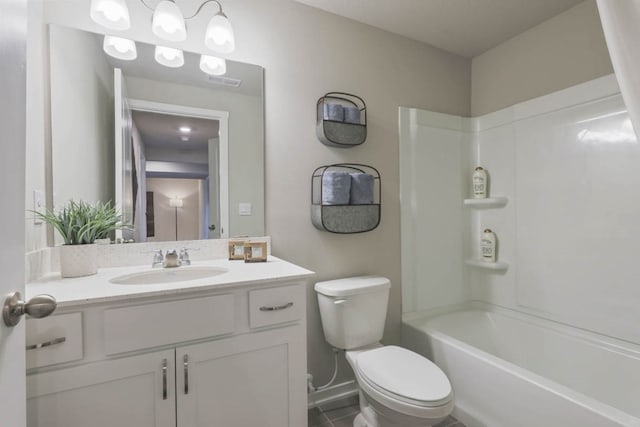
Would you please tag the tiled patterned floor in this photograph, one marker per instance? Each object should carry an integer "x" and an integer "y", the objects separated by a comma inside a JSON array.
[{"x": 342, "y": 413}]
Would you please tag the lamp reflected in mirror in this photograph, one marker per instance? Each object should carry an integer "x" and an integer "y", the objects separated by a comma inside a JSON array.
[{"x": 176, "y": 203}]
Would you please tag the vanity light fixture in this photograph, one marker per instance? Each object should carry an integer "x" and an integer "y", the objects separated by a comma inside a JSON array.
[
  {"x": 184, "y": 129},
  {"x": 213, "y": 65},
  {"x": 219, "y": 35},
  {"x": 169, "y": 57},
  {"x": 120, "y": 48},
  {"x": 168, "y": 22},
  {"x": 112, "y": 14}
]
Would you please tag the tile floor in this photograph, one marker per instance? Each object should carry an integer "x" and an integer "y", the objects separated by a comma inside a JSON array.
[{"x": 341, "y": 414}]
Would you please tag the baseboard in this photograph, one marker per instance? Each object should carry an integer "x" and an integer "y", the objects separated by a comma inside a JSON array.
[{"x": 333, "y": 393}]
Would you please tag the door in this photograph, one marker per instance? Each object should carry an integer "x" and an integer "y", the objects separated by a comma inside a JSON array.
[
  {"x": 13, "y": 36},
  {"x": 137, "y": 391},
  {"x": 214, "y": 189},
  {"x": 124, "y": 162},
  {"x": 253, "y": 379}
]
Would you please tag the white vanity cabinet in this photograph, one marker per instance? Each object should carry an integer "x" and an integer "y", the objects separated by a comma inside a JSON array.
[{"x": 229, "y": 358}]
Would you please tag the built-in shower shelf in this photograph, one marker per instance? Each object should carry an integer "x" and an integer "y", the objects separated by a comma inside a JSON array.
[
  {"x": 487, "y": 203},
  {"x": 497, "y": 266}
]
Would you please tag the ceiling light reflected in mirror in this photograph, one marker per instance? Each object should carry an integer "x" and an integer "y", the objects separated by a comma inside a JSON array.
[{"x": 120, "y": 48}]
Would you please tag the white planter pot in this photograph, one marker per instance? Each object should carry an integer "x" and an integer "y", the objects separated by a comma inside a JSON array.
[{"x": 78, "y": 260}]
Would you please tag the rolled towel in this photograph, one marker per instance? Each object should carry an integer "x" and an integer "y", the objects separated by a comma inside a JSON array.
[
  {"x": 351, "y": 115},
  {"x": 333, "y": 112},
  {"x": 336, "y": 188},
  {"x": 361, "y": 189}
]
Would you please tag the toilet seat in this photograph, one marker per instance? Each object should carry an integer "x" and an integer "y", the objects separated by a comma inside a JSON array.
[{"x": 398, "y": 375}]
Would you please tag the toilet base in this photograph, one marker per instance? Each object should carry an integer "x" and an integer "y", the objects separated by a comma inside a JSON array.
[{"x": 373, "y": 414}]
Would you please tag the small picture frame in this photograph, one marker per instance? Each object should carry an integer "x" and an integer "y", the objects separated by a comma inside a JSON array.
[
  {"x": 255, "y": 252},
  {"x": 236, "y": 249}
]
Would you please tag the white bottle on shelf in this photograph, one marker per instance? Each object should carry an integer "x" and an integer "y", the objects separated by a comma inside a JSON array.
[
  {"x": 488, "y": 246},
  {"x": 479, "y": 183}
]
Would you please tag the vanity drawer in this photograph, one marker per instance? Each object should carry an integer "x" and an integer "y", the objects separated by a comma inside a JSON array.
[
  {"x": 152, "y": 325},
  {"x": 53, "y": 340},
  {"x": 276, "y": 305}
]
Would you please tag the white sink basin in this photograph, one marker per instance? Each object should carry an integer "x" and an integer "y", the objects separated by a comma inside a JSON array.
[{"x": 168, "y": 275}]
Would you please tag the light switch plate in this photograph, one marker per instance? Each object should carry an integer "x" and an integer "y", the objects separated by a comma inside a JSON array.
[
  {"x": 39, "y": 205},
  {"x": 244, "y": 209}
]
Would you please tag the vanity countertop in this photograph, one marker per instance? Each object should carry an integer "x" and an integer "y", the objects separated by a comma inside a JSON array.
[{"x": 98, "y": 288}]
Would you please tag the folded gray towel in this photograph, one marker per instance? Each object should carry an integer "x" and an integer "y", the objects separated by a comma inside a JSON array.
[
  {"x": 361, "y": 189},
  {"x": 333, "y": 112},
  {"x": 352, "y": 115},
  {"x": 336, "y": 187}
]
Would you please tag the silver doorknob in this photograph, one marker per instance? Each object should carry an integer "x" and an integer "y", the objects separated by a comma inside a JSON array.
[
  {"x": 14, "y": 307},
  {"x": 212, "y": 227}
]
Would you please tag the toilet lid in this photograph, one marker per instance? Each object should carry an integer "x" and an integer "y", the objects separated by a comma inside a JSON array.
[{"x": 408, "y": 376}]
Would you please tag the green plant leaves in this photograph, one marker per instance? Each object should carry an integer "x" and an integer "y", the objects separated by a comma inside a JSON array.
[{"x": 81, "y": 223}]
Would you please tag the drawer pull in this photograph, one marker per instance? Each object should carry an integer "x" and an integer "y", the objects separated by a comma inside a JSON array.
[
  {"x": 164, "y": 379},
  {"x": 47, "y": 343},
  {"x": 277, "y": 308},
  {"x": 185, "y": 362}
]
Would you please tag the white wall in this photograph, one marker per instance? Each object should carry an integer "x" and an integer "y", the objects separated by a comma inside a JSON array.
[
  {"x": 570, "y": 233},
  {"x": 435, "y": 150},
  {"x": 560, "y": 52},
  {"x": 82, "y": 124},
  {"x": 165, "y": 189},
  {"x": 568, "y": 162},
  {"x": 306, "y": 53}
]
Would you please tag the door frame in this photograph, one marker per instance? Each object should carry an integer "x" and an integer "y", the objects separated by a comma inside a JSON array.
[{"x": 223, "y": 159}]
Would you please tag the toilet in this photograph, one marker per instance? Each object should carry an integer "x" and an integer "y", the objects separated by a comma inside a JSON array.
[{"x": 397, "y": 386}]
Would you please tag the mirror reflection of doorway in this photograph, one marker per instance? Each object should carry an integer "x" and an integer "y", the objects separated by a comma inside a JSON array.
[{"x": 178, "y": 161}]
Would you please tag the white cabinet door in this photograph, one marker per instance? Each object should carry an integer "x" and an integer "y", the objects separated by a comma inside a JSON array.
[
  {"x": 120, "y": 392},
  {"x": 256, "y": 379}
]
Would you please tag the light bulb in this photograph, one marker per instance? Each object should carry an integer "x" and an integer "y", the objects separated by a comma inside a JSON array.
[
  {"x": 213, "y": 65},
  {"x": 120, "y": 48},
  {"x": 169, "y": 57},
  {"x": 168, "y": 22},
  {"x": 112, "y": 14},
  {"x": 219, "y": 35}
]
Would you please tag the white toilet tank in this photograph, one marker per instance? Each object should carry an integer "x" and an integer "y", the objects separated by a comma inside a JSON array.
[{"x": 353, "y": 310}]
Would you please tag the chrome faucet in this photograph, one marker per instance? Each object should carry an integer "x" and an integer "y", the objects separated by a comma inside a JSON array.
[
  {"x": 158, "y": 259},
  {"x": 184, "y": 257},
  {"x": 171, "y": 259}
]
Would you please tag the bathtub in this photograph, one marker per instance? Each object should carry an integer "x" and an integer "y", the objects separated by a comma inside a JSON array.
[{"x": 509, "y": 369}]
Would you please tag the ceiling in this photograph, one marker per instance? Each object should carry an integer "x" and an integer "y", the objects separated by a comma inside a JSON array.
[
  {"x": 163, "y": 131},
  {"x": 464, "y": 27}
]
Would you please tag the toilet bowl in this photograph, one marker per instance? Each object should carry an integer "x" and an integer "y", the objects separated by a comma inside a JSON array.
[{"x": 398, "y": 388}]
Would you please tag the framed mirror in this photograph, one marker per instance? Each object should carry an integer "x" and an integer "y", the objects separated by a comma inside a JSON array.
[{"x": 179, "y": 151}]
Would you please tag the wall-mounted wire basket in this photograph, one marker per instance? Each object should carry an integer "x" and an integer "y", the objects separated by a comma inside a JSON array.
[
  {"x": 341, "y": 120},
  {"x": 336, "y": 210}
]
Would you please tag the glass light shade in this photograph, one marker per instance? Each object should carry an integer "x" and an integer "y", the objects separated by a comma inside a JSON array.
[
  {"x": 168, "y": 22},
  {"x": 112, "y": 14},
  {"x": 212, "y": 65},
  {"x": 120, "y": 48},
  {"x": 219, "y": 35},
  {"x": 176, "y": 203},
  {"x": 169, "y": 57}
]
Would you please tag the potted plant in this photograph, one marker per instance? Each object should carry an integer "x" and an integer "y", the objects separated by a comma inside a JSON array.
[{"x": 80, "y": 224}]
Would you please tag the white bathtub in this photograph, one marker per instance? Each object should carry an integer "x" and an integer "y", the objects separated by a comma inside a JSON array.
[{"x": 508, "y": 369}]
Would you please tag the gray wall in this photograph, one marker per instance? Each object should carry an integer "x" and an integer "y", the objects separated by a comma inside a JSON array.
[
  {"x": 561, "y": 52},
  {"x": 306, "y": 53},
  {"x": 82, "y": 124}
]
